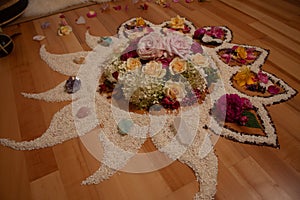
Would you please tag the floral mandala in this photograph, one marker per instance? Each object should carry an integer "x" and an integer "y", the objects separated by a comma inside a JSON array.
[{"x": 234, "y": 94}]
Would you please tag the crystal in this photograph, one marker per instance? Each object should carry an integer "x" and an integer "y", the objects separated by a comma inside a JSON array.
[{"x": 72, "y": 84}]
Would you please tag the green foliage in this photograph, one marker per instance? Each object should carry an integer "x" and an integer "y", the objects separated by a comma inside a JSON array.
[{"x": 252, "y": 120}]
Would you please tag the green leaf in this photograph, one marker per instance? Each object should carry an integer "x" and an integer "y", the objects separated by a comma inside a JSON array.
[{"x": 252, "y": 120}]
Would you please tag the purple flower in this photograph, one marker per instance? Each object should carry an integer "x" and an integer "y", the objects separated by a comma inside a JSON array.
[
  {"x": 273, "y": 89},
  {"x": 196, "y": 48},
  {"x": 220, "y": 108}
]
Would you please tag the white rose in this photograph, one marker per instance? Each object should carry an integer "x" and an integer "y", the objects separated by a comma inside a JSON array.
[
  {"x": 177, "y": 66},
  {"x": 199, "y": 60},
  {"x": 175, "y": 90},
  {"x": 154, "y": 69}
]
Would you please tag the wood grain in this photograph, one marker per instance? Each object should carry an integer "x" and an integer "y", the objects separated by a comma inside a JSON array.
[{"x": 245, "y": 171}]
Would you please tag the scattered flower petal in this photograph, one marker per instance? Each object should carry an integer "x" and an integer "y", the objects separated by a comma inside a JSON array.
[
  {"x": 81, "y": 20},
  {"x": 117, "y": 7},
  {"x": 63, "y": 22},
  {"x": 167, "y": 5},
  {"x": 38, "y": 37},
  {"x": 64, "y": 30},
  {"x": 144, "y": 6},
  {"x": 79, "y": 60},
  {"x": 104, "y": 7},
  {"x": 91, "y": 14},
  {"x": 83, "y": 112},
  {"x": 45, "y": 25}
]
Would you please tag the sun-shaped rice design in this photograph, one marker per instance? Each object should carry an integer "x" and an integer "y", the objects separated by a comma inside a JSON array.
[{"x": 88, "y": 110}]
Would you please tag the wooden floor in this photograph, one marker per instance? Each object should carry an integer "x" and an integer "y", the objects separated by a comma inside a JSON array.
[{"x": 245, "y": 171}]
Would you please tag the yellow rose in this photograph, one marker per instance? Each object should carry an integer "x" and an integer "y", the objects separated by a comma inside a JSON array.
[
  {"x": 64, "y": 30},
  {"x": 133, "y": 63},
  {"x": 241, "y": 52},
  {"x": 244, "y": 76},
  {"x": 140, "y": 21},
  {"x": 177, "y": 66},
  {"x": 177, "y": 22},
  {"x": 154, "y": 69}
]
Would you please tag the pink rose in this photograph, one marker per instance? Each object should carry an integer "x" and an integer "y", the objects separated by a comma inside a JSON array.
[
  {"x": 178, "y": 44},
  {"x": 150, "y": 46}
]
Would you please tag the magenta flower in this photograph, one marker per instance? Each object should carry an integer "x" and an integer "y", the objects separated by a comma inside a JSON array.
[
  {"x": 130, "y": 54},
  {"x": 234, "y": 108},
  {"x": 169, "y": 103},
  {"x": 165, "y": 61},
  {"x": 262, "y": 77},
  {"x": 230, "y": 107},
  {"x": 273, "y": 89},
  {"x": 227, "y": 57},
  {"x": 215, "y": 32},
  {"x": 199, "y": 33},
  {"x": 246, "y": 104},
  {"x": 234, "y": 47},
  {"x": 243, "y": 120}
]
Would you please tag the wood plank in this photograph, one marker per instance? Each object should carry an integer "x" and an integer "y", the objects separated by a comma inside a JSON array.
[
  {"x": 237, "y": 183},
  {"x": 48, "y": 187},
  {"x": 286, "y": 30},
  {"x": 259, "y": 179},
  {"x": 279, "y": 171},
  {"x": 286, "y": 42},
  {"x": 245, "y": 171}
]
